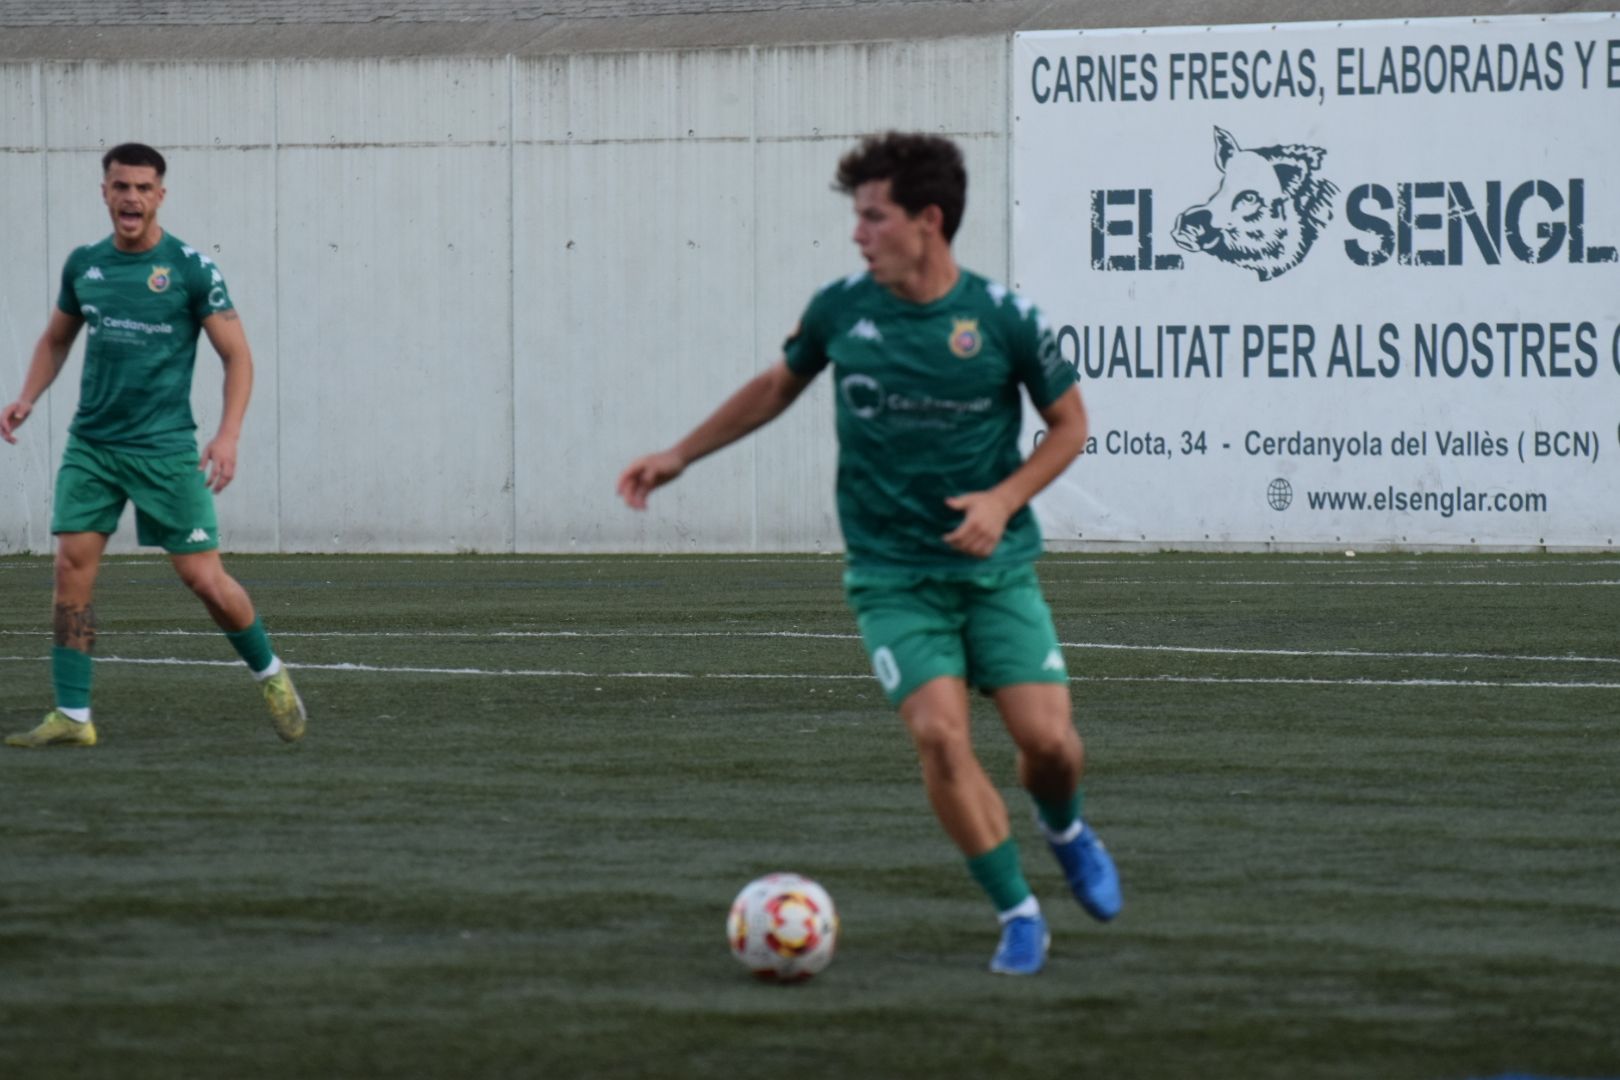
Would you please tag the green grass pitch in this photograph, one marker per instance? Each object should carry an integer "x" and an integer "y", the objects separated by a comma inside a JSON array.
[{"x": 1367, "y": 813}]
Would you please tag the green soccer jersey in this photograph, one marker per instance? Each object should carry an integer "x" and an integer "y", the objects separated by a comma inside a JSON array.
[
  {"x": 927, "y": 407},
  {"x": 142, "y": 313}
]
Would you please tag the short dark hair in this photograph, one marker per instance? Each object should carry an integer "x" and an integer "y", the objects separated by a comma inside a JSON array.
[
  {"x": 922, "y": 170},
  {"x": 134, "y": 153}
]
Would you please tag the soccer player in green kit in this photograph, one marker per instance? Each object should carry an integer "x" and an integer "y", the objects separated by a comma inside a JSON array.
[
  {"x": 144, "y": 296},
  {"x": 928, "y": 359}
]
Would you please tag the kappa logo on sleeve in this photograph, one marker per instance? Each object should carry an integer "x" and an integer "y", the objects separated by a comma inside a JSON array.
[{"x": 866, "y": 330}]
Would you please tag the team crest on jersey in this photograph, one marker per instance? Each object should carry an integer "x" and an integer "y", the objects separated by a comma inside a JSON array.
[
  {"x": 965, "y": 338},
  {"x": 159, "y": 279}
]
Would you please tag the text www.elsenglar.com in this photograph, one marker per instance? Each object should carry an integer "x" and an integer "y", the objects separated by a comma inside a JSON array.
[{"x": 1445, "y": 503}]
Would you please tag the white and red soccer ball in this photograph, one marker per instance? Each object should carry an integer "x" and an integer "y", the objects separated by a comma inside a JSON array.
[{"x": 783, "y": 927}]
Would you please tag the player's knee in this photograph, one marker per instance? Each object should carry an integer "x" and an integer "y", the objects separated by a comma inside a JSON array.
[
  {"x": 72, "y": 569},
  {"x": 938, "y": 737},
  {"x": 1052, "y": 745},
  {"x": 207, "y": 583}
]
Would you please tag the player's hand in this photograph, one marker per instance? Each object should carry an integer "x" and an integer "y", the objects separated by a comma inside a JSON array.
[
  {"x": 984, "y": 520},
  {"x": 646, "y": 473},
  {"x": 219, "y": 460},
  {"x": 11, "y": 419}
]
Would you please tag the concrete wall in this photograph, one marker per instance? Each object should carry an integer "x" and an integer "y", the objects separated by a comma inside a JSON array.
[{"x": 476, "y": 287}]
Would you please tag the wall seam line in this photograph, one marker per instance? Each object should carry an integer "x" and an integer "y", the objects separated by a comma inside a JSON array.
[
  {"x": 753, "y": 217},
  {"x": 275, "y": 294},
  {"x": 511, "y": 297},
  {"x": 45, "y": 196}
]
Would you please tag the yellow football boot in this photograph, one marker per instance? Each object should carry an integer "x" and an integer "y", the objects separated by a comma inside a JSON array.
[
  {"x": 57, "y": 729},
  {"x": 286, "y": 707}
]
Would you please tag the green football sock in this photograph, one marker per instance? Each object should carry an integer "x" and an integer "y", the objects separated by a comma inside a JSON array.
[
  {"x": 1057, "y": 817},
  {"x": 998, "y": 873},
  {"x": 70, "y": 675},
  {"x": 252, "y": 644}
]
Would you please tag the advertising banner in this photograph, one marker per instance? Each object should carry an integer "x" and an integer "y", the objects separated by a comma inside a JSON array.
[{"x": 1330, "y": 283}]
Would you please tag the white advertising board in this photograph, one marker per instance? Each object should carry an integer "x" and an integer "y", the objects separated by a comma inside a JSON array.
[{"x": 1330, "y": 283}]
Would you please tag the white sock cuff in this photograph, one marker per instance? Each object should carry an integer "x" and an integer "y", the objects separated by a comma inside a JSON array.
[
  {"x": 1030, "y": 908},
  {"x": 1076, "y": 827},
  {"x": 273, "y": 669},
  {"x": 78, "y": 716}
]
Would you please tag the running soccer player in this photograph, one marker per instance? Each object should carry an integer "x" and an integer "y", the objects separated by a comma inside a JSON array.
[
  {"x": 144, "y": 296},
  {"x": 928, "y": 359}
]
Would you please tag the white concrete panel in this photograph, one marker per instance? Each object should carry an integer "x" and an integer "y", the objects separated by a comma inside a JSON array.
[
  {"x": 392, "y": 102},
  {"x": 804, "y": 241},
  {"x": 635, "y": 318},
  {"x": 167, "y": 105},
  {"x": 21, "y": 118},
  {"x": 672, "y": 215},
  {"x": 76, "y": 211},
  {"x": 957, "y": 86},
  {"x": 981, "y": 242},
  {"x": 223, "y": 204},
  {"x": 395, "y": 315},
  {"x": 27, "y": 469},
  {"x": 635, "y": 96}
]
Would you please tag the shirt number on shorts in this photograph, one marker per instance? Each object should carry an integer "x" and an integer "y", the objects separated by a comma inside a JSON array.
[{"x": 884, "y": 667}]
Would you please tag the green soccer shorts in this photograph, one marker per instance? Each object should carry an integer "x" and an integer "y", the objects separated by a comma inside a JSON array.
[
  {"x": 174, "y": 509},
  {"x": 992, "y": 630}
]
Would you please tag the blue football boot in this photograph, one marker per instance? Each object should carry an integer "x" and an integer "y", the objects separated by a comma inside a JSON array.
[
  {"x": 1024, "y": 941},
  {"x": 1090, "y": 872}
]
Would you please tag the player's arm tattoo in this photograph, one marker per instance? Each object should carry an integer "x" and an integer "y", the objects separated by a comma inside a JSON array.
[
  {"x": 75, "y": 626},
  {"x": 228, "y": 315}
]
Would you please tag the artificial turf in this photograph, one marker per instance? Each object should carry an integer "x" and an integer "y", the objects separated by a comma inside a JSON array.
[{"x": 1364, "y": 809}]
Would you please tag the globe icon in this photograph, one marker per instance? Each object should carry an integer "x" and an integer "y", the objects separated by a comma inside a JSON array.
[{"x": 1279, "y": 493}]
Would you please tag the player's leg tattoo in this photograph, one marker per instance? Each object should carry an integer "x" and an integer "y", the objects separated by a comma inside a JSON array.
[{"x": 75, "y": 626}]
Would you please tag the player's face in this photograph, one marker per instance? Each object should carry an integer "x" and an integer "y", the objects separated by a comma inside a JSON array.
[
  {"x": 892, "y": 242},
  {"x": 133, "y": 194}
]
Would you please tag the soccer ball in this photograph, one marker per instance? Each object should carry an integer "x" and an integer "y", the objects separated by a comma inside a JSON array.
[{"x": 783, "y": 927}]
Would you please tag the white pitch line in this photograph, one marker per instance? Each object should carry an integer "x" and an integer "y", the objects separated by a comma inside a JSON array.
[
  {"x": 173, "y": 661},
  {"x": 832, "y": 559},
  {"x": 1181, "y": 582},
  {"x": 1356, "y": 654},
  {"x": 1350, "y": 654},
  {"x": 1055, "y": 561},
  {"x": 1395, "y": 583},
  {"x": 544, "y": 673},
  {"x": 478, "y": 561},
  {"x": 470, "y": 634},
  {"x": 1239, "y": 680}
]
